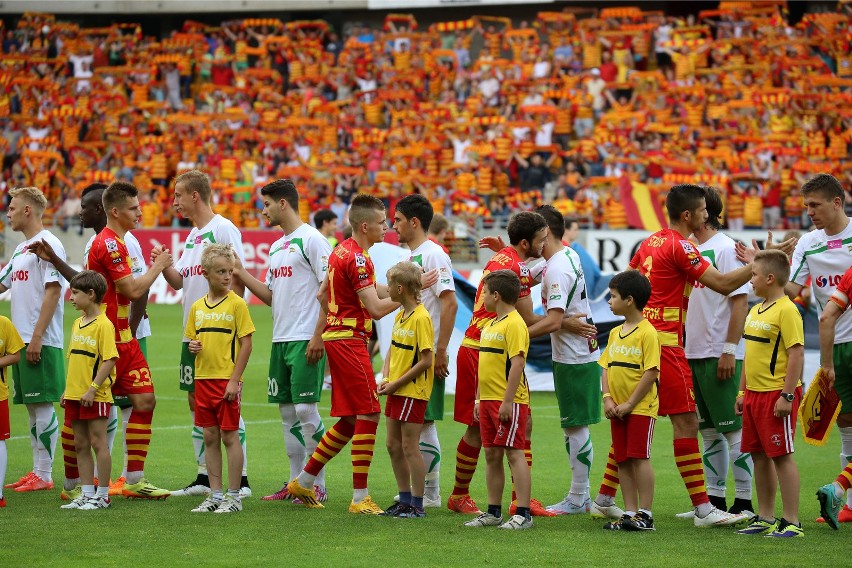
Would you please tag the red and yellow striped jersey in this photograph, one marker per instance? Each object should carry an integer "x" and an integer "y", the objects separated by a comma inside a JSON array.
[
  {"x": 349, "y": 270},
  {"x": 109, "y": 257}
]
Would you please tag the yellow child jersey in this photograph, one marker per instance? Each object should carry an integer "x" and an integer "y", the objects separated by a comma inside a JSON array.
[
  {"x": 770, "y": 330},
  {"x": 411, "y": 336},
  {"x": 502, "y": 339},
  {"x": 219, "y": 328},
  {"x": 10, "y": 343},
  {"x": 91, "y": 344},
  {"x": 626, "y": 358}
]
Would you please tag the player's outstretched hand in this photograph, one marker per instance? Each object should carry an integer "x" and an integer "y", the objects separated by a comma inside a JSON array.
[
  {"x": 194, "y": 347},
  {"x": 495, "y": 244},
  {"x": 156, "y": 251},
  {"x": 578, "y": 325},
  {"x": 43, "y": 250},
  {"x": 787, "y": 247},
  {"x": 429, "y": 279},
  {"x": 163, "y": 260},
  {"x": 746, "y": 254}
]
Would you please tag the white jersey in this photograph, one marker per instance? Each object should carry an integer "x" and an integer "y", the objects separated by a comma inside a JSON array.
[
  {"x": 430, "y": 256},
  {"x": 137, "y": 268},
  {"x": 563, "y": 287},
  {"x": 26, "y": 275},
  {"x": 218, "y": 230},
  {"x": 298, "y": 263},
  {"x": 825, "y": 258},
  {"x": 709, "y": 312}
]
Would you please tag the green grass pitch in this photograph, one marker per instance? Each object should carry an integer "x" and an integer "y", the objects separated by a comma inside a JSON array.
[{"x": 164, "y": 533}]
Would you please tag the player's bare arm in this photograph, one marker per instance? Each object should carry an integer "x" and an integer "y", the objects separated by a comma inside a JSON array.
[
  {"x": 415, "y": 371},
  {"x": 377, "y": 307},
  {"x": 449, "y": 308},
  {"x": 649, "y": 377},
  {"x": 137, "y": 312},
  {"x": 44, "y": 251},
  {"x": 795, "y": 364},
  {"x": 133, "y": 288},
  {"x": 170, "y": 273},
  {"x": 550, "y": 323},
  {"x": 516, "y": 372},
  {"x": 255, "y": 286},
  {"x": 827, "y": 323},
  {"x": 52, "y": 297},
  {"x": 725, "y": 283},
  {"x": 316, "y": 347},
  {"x": 233, "y": 388},
  {"x": 525, "y": 308},
  {"x": 739, "y": 312}
]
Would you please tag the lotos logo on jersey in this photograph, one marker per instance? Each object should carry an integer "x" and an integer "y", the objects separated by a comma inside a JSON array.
[
  {"x": 191, "y": 271},
  {"x": 20, "y": 275},
  {"x": 831, "y": 280},
  {"x": 283, "y": 272}
]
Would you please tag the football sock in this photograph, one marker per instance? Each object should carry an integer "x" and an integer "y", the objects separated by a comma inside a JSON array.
[
  {"x": 47, "y": 432},
  {"x": 69, "y": 456},
  {"x": 846, "y": 454},
  {"x": 363, "y": 443},
  {"x": 31, "y": 416},
  {"x": 4, "y": 460},
  {"x": 312, "y": 432},
  {"x": 125, "y": 418},
  {"x": 688, "y": 460},
  {"x": 743, "y": 465},
  {"x": 523, "y": 511},
  {"x": 844, "y": 480},
  {"x": 329, "y": 446},
  {"x": 716, "y": 462},
  {"x": 609, "y": 485},
  {"x": 89, "y": 490},
  {"x": 528, "y": 457},
  {"x": 430, "y": 451},
  {"x": 218, "y": 495},
  {"x": 405, "y": 497},
  {"x": 417, "y": 502},
  {"x": 234, "y": 493},
  {"x": 495, "y": 510},
  {"x": 242, "y": 433},
  {"x": 647, "y": 512},
  {"x": 466, "y": 458},
  {"x": 198, "y": 445},
  {"x": 293, "y": 440},
  {"x": 138, "y": 439},
  {"x": 112, "y": 428},
  {"x": 103, "y": 491},
  {"x": 578, "y": 444}
]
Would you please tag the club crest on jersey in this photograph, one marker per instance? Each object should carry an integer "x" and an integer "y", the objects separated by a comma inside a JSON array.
[
  {"x": 360, "y": 260},
  {"x": 524, "y": 270},
  {"x": 111, "y": 245},
  {"x": 687, "y": 247}
]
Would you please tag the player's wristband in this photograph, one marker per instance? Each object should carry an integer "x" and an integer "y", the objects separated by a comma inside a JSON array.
[
  {"x": 475, "y": 402},
  {"x": 729, "y": 349},
  {"x": 607, "y": 395},
  {"x": 95, "y": 385},
  {"x": 740, "y": 394}
]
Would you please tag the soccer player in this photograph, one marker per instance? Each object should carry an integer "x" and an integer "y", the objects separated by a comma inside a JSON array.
[
  {"x": 325, "y": 221},
  {"x": 352, "y": 300},
  {"x": 408, "y": 375},
  {"x": 219, "y": 332},
  {"x": 92, "y": 356},
  {"x": 631, "y": 367},
  {"x": 37, "y": 308},
  {"x": 714, "y": 329},
  {"x": 576, "y": 374},
  {"x": 823, "y": 254},
  {"x": 11, "y": 345},
  {"x": 502, "y": 400},
  {"x": 831, "y": 495},
  {"x": 108, "y": 256},
  {"x": 770, "y": 393},
  {"x": 413, "y": 218},
  {"x": 527, "y": 234},
  {"x": 192, "y": 200},
  {"x": 298, "y": 263},
  {"x": 93, "y": 216},
  {"x": 671, "y": 263}
]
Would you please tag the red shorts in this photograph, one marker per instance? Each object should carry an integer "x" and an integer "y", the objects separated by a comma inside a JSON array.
[
  {"x": 511, "y": 434},
  {"x": 211, "y": 408},
  {"x": 467, "y": 372},
  {"x": 5, "y": 430},
  {"x": 132, "y": 375},
  {"x": 762, "y": 431},
  {"x": 406, "y": 409},
  {"x": 76, "y": 411},
  {"x": 632, "y": 437},
  {"x": 675, "y": 387},
  {"x": 353, "y": 384}
]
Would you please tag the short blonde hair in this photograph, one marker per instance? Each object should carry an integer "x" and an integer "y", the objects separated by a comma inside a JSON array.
[
  {"x": 196, "y": 181},
  {"x": 776, "y": 263},
  {"x": 407, "y": 275},
  {"x": 32, "y": 194},
  {"x": 214, "y": 251}
]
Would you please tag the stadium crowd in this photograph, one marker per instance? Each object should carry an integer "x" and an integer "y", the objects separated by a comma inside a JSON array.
[{"x": 483, "y": 116}]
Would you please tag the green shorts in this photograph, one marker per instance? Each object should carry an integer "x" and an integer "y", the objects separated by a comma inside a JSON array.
[
  {"x": 42, "y": 382},
  {"x": 843, "y": 375},
  {"x": 578, "y": 393},
  {"x": 122, "y": 401},
  {"x": 435, "y": 407},
  {"x": 291, "y": 379},
  {"x": 187, "y": 368},
  {"x": 715, "y": 399}
]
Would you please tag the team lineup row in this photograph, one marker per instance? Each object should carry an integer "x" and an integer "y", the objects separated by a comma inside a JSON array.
[{"x": 336, "y": 328}]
